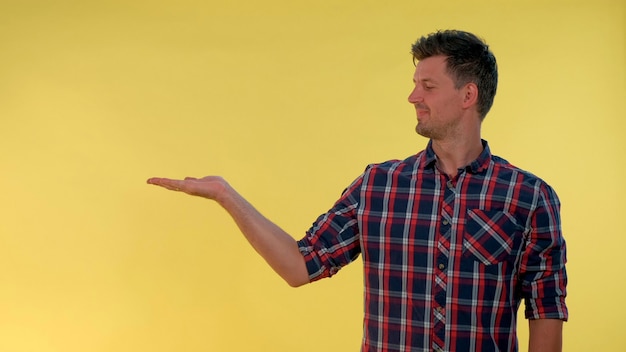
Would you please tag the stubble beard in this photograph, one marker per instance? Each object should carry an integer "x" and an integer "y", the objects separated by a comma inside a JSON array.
[
  {"x": 426, "y": 132},
  {"x": 437, "y": 132}
]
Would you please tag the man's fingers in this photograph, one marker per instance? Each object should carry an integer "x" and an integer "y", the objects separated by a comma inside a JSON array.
[
  {"x": 174, "y": 185},
  {"x": 154, "y": 181},
  {"x": 208, "y": 187}
]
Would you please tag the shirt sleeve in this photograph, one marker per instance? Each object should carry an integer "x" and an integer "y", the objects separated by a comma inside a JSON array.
[
  {"x": 542, "y": 270},
  {"x": 333, "y": 240}
]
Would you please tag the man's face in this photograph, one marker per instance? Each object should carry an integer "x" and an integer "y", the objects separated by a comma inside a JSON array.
[{"x": 437, "y": 102}]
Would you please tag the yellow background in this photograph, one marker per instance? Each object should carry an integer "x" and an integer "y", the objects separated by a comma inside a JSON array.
[{"x": 289, "y": 101}]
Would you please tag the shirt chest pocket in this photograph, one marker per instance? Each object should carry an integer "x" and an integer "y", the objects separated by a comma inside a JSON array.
[{"x": 491, "y": 236}]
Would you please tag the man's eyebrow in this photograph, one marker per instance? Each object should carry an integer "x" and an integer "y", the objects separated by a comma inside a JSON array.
[{"x": 429, "y": 80}]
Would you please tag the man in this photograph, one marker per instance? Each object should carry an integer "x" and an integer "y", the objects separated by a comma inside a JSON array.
[{"x": 452, "y": 239}]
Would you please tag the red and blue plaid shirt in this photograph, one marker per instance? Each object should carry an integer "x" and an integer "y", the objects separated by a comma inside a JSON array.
[{"x": 446, "y": 261}]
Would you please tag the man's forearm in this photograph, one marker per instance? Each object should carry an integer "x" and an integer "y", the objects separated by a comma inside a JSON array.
[
  {"x": 545, "y": 335},
  {"x": 277, "y": 247}
]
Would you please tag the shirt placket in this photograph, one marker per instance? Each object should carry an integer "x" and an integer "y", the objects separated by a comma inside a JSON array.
[{"x": 442, "y": 254}]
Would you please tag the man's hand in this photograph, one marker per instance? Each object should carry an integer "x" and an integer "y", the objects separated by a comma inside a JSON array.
[{"x": 211, "y": 187}]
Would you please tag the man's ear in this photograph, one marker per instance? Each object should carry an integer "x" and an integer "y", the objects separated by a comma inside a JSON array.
[{"x": 470, "y": 95}]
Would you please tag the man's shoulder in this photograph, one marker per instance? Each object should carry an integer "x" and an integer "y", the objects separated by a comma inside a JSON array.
[
  {"x": 506, "y": 169},
  {"x": 396, "y": 165}
]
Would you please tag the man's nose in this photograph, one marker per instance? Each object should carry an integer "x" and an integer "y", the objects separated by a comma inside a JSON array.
[{"x": 415, "y": 96}]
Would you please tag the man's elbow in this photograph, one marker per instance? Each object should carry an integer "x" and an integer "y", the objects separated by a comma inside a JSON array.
[
  {"x": 297, "y": 281},
  {"x": 296, "y": 274}
]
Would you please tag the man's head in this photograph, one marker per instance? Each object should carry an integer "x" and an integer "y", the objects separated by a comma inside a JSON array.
[{"x": 468, "y": 60}]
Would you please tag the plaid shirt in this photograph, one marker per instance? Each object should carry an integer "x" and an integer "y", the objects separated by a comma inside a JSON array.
[{"x": 446, "y": 261}]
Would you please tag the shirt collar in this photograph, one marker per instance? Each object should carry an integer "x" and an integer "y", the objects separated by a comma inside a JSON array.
[{"x": 476, "y": 166}]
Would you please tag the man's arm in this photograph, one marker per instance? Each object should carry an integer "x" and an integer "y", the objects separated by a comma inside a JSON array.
[
  {"x": 543, "y": 275},
  {"x": 277, "y": 247},
  {"x": 545, "y": 335}
]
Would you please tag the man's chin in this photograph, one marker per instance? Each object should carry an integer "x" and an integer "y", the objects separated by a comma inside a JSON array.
[{"x": 422, "y": 131}]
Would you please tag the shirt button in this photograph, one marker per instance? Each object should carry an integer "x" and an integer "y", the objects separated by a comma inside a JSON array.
[
  {"x": 445, "y": 222},
  {"x": 441, "y": 266}
]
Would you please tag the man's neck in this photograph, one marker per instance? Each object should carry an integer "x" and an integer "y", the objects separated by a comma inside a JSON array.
[{"x": 453, "y": 155}]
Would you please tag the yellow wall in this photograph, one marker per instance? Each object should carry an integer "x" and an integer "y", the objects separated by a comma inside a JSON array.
[{"x": 288, "y": 100}]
